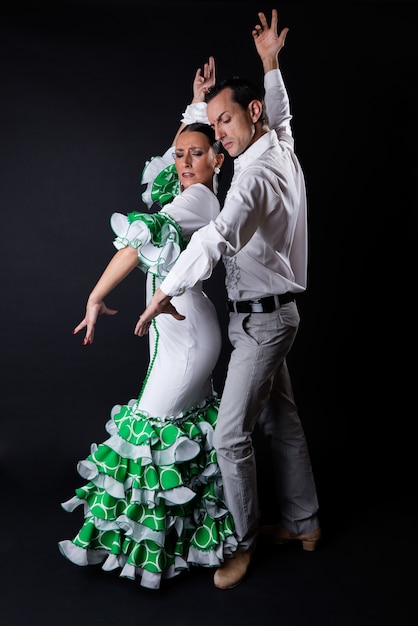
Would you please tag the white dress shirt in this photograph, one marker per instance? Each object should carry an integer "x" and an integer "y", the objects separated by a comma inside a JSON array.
[{"x": 261, "y": 232}]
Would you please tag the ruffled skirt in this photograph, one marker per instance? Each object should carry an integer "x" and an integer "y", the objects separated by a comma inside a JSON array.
[{"x": 154, "y": 503}]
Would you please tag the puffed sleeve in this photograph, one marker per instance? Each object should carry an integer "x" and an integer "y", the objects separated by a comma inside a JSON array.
[
  {"x": 161, "y": 178},
  {"x": 195, "y": 207},
  {"x": 157, "y": 238}
]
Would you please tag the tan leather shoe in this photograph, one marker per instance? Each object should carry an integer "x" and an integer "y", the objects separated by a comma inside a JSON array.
[
  {"x": 233, "y": 571},
  {"x": 278, "y": 535}
]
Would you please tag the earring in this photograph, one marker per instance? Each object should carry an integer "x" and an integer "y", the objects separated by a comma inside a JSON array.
[{"x": 217, "y": 170}]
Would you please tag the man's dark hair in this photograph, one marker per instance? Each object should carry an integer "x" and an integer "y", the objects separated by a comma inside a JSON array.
[{"x": 243, "y": 92}]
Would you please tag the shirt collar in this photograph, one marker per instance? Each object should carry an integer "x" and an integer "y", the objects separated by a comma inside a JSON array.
[{"x": 255, "y": 150}]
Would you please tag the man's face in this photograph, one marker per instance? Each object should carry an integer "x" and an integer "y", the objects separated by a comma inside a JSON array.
[{"x": 233, "y": 126}]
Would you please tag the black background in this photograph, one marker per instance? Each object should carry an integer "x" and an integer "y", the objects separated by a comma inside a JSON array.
[{"x": 89, "y": 91}]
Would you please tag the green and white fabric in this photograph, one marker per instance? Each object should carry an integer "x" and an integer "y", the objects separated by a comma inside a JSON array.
[{"x": 153, "y": 503}]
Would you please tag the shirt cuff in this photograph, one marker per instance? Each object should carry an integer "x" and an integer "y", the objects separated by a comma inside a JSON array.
[{"x": 171, "y": 287}]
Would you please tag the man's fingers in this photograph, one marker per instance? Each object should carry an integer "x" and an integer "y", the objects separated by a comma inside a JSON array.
[
  {"x": 178, "y": 316},
  {"x": 142, "y": 327},
  {"x": 263, "y": 20},
  {"x": 274, "y": 19}
]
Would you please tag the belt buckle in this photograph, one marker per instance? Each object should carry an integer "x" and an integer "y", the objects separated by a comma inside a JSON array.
[{"x": 257, "y": 306}]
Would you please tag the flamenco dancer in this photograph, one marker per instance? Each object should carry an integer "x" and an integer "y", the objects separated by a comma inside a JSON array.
[{"x": 153, "y": 501}]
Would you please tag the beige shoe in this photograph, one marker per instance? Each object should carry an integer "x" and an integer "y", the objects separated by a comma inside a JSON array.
[
  {"x": 233, "y": 570},
  {"x": 278, "y": 535}
]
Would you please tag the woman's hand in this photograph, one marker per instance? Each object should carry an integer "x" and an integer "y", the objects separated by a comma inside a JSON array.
[
  {"x": 93, "y": 310},
  {"x": 120, "y": 265},
  {"x": 204, "y": 80}
]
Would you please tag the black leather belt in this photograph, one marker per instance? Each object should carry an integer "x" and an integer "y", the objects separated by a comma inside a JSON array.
[{"x": 260, "y": 305}]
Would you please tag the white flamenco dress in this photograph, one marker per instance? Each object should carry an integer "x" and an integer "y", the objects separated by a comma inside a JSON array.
[{"x": 153, "y": 501}]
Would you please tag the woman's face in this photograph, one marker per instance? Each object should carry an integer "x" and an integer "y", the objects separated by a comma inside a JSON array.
[{"x": 195, "y": 159}]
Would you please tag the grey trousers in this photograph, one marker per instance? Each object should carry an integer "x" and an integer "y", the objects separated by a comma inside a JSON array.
[{"x": 258, "y": 389}]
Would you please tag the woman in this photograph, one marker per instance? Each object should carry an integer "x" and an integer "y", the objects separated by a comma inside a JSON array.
[{"x": 154, "y": 501}]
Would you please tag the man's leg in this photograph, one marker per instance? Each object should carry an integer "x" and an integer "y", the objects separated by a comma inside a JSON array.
[
  {"x": 294, "y": 481},
  {"x": 260, "y": 343}
]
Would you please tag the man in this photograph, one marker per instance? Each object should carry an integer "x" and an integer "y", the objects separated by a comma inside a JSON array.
[{"x": 261, "y": 234}]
